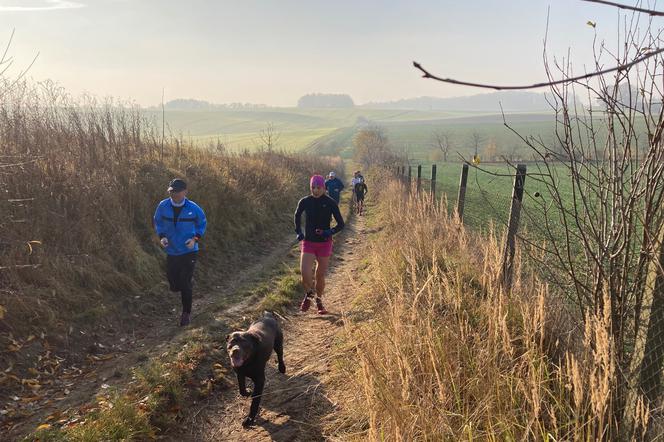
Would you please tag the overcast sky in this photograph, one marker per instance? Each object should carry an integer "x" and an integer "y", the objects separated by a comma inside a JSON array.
[{"x": 273, "y": 52}]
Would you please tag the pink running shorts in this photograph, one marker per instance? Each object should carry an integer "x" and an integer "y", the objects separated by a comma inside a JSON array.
[{"x": 320, "y": 249}]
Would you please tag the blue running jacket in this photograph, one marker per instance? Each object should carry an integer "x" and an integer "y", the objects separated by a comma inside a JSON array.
[{"x": 190, "y": 223}]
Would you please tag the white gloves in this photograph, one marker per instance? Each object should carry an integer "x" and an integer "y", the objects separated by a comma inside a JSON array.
[{"x": 164, "y": 242}]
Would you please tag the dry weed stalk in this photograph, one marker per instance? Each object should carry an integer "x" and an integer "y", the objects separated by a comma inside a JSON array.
[{"x": 450, "y": 356}]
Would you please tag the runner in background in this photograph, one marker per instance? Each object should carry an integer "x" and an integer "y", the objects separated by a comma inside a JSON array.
[
  {"x": 353, "y": 182},
  {"x": 360, "y": 190},
  {"x": 334, "y": 186}
]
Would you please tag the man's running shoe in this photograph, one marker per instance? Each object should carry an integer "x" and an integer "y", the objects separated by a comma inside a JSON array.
[
  {"x": 306, "y": 302},
  {"x": 185, "y": 319},
  {"x": 320, "y": 307}
]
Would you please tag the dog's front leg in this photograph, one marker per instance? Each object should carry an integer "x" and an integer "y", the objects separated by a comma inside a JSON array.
[
  {"x": 242, "y": 383},
  {"x": 259, "y": 383}
]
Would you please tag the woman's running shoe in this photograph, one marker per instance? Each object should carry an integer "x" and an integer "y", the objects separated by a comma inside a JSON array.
[
  {"x": 320, "y": 307},
  {"x": 306, "y": 302}
]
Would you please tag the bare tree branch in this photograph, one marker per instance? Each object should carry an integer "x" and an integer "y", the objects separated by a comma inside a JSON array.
[
  {"x": 622, "y": 67},
  {"x": 3, "y": 58},
  {"x": 631, "y": 8}
]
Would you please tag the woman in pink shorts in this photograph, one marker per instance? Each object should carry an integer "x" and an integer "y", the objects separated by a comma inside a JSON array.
[{"x": 316, "y": 246}]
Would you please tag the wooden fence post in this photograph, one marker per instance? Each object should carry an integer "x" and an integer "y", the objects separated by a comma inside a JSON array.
[
  {"x": 410, "y": 177},
  {"x": 462, "y": 192},
  {"x": 433, "y": 182},
  {"x": 513, "y": 226},
  {"x": 419, "y": 178}
]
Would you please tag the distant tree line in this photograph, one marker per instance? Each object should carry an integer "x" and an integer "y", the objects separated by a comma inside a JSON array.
[
  {"x": 193, "y": 104},
  {"x": 325, "y": 100}
]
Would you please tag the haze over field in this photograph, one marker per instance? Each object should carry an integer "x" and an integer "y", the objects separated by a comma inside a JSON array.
[{"x": 275, "y": 52}]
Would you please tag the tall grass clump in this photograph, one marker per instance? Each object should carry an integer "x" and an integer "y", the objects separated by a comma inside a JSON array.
[
  {"x": 448, "y": 354},
  {"x": 79, "y": 182}
]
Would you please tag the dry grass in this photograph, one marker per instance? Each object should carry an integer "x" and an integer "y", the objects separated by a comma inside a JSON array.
[{"x": 449, "y": 355}]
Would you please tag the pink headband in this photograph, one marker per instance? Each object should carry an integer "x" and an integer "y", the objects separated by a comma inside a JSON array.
[{"x": 317, "y": 181}]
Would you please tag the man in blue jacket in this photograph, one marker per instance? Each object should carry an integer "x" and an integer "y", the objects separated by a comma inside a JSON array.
[
  {"x": 334, "y": 186},
  {"x": 180, "y": 224}
]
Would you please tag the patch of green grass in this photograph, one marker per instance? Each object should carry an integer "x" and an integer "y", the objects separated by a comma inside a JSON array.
[
  {"x": 119, "y": 419},
  {"x": 287, "y": 291}
]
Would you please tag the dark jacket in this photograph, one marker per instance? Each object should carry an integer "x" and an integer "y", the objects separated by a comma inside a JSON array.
[
  {"x": 334, "y": 187},
  {"x": 318, "y": 213}
]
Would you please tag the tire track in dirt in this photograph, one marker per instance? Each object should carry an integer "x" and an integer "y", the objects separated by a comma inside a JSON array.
[{"x": 293, "y": 404}]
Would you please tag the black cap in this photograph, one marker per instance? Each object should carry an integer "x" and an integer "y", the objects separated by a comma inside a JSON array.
[{"x": 177, "y": 185}]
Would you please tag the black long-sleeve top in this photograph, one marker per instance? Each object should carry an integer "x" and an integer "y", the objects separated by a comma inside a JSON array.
[{"x": 318, "y": 213}]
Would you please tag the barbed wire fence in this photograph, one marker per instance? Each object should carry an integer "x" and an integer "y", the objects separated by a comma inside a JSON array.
[{"x": 515, "y": 204}]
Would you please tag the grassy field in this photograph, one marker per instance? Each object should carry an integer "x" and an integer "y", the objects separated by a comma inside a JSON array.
[
  {"x": 416, "y": 138},
  {"x": 489, "y": 195},
  {"x": 331, "y": 131}
]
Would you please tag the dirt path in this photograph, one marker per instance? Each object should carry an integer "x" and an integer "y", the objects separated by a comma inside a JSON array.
[
  {"x": 293, "y": 404},
  {"x": 77, "y": 385}
]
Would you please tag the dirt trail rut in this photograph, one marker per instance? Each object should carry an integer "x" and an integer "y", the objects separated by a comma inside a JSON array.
[{"x": 293, "y": 404}]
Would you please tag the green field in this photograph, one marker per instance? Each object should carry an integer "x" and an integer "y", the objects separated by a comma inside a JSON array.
[
  {"x": 330, "y": 131},
  {"x": 489, "y": 196}
]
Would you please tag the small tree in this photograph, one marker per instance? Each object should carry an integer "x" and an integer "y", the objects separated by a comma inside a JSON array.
[
  {"x": 269, "y": 137},
  {"x": 476, "y": 139},
  {"x": 372, "y": 147},
  {"x": 490, "y": 151},
  {"x": 440, "y": 139}
]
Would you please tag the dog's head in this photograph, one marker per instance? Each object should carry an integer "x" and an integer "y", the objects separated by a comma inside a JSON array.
[{"x": 240, "y": 346}]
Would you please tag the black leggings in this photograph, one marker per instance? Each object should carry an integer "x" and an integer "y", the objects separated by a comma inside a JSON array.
[{"x": 180, "y": 270}]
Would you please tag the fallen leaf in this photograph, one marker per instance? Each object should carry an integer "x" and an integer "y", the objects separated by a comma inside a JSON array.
[
  {"x": 2, "y": 312},
  {"x": 105, "y": 386},
  {"x": 43, "y": 427},
  {"x": 32, "y": 383}
]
